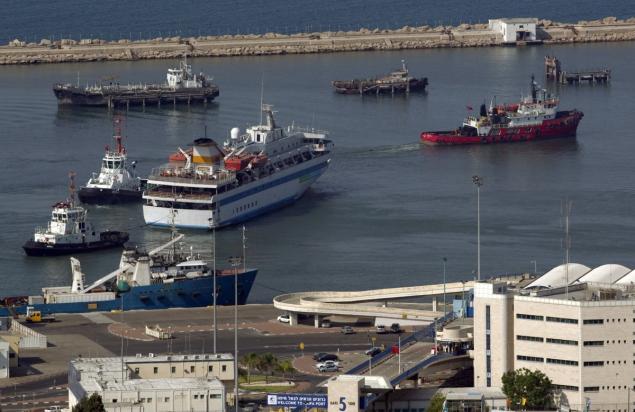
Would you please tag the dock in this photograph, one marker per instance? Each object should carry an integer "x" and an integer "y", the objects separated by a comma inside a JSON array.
[{"x": 554, "y": 72}]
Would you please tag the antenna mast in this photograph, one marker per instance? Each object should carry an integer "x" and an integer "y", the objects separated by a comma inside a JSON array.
[
  {"x": 71, "y": 188},
  {"x": 262, "y": 94}
]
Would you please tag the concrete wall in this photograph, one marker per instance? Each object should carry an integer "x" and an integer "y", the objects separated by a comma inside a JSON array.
[
  {"x": 175, "y": 400},
  {"x": 4, "y": 359}
]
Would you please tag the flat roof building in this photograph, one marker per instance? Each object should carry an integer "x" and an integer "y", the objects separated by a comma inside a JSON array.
[
  {"x": 186, "y": 380},
  {"x": 515, "y": 30},
  {"x": 580, "y": 334}
]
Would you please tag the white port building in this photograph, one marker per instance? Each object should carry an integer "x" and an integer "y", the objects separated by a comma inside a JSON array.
[
  {"x": 515, "y": 30},
  {"x": 576, "y": 324}
]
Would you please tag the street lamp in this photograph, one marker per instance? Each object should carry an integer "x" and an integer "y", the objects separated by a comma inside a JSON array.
[
  {"x": 535, "y": 266},
  {"x": 478, "y": 181},
  {"x": 444, "y": 303},
  {"x": 235, "y": 261}
]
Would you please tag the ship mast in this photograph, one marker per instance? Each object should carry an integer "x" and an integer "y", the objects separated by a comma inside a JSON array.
[
  {"x": 71, "y": 189},
  {"x": 117, "y": 122}
]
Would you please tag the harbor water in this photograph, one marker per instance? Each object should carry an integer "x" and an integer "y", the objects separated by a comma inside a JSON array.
[{"x": 388, "y": 209}]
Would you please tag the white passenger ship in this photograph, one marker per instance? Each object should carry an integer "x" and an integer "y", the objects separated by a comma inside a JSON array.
[{"x": 211, "y": 186}]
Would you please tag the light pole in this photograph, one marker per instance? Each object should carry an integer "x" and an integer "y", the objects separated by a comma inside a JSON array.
[
  {"x": 535, "y": 266},
  {"x": 478, "y": 181},
  {"x": 212, "y": 224},
  {"x": 234, "y": 261},
  {"x": 444, "y": 303}
]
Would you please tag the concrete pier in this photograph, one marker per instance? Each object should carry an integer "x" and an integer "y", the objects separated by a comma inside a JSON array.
[{"x": 465, "y": 35}]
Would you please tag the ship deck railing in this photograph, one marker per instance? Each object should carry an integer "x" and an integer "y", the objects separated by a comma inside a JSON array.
[
  {"x": 181, "y": 195},
  {"x": 181, "y": 175},
  {"x": 315, "y": 133}
]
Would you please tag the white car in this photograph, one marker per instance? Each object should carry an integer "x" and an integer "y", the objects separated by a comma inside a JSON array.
[
  {"x": 327, "y": 365},
  {"x": 284, "y": 318}
]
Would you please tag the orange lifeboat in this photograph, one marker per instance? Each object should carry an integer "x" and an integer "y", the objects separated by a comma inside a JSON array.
[
  {"x": 180, "y": 157},
  {"x": 237, "y": 163}
]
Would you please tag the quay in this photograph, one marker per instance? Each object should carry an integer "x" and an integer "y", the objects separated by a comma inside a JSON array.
[
  {"x": 553, "y": 71},
  {"x": 608, "y": 29}
]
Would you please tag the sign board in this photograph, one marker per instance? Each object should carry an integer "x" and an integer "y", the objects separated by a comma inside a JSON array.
[{"x": 307, "y": 400}]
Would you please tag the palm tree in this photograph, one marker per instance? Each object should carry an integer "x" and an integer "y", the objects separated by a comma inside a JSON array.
[
  {"x": 250, "y": 360},
  {"x": 267, "y": 362},
  {"x": 285, "y": 366}
]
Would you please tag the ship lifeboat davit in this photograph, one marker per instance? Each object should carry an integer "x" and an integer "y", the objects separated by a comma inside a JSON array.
[
  {"x": 240, "y": 162},
  {"x": 259, "y": 160},
  {"x": 179, "y": 157}
]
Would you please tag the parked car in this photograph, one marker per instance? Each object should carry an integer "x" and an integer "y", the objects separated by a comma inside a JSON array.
[
  {"x": 318, "y": 355},
  {"x": 326, "y": 324},
  {"x": 347, "y": 330},
  {"x": 327, "y": 357},
  {"x": 395, "y": 328},
  {"x": 284, "y": 318},
  {"x": 375, "y": 350},
  {"x": 380, "y": 329},
  {"x": 328, "y": 368},
  {"x": 327, "y": 363}
]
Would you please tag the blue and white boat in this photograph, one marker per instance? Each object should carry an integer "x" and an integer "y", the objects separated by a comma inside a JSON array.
[
  {"x": 262, "y": 170},
  {"x": 165, "y": 277}
]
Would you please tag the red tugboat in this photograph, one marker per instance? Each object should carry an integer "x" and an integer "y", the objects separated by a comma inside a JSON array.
[{"x": 534, "y": 118}]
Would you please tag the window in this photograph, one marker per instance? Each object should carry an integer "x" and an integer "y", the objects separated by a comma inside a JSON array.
[
  {"x": 214, "y": 396},
  {"x": 562, "y": 362},
  {"x": 487, "y": 317},
  {"x": 114, "y": 401},
  {"x": 195, "y": 396},
  {"x": 529, "y": 358},
  {"x": 562, "y": 341},
  {"x": 591, "y": 388},
  {"x": 565, "y": 387},
  {"x": 594, "y": 363},
  {"x": 192, "y": 368},
  {"x": 224, "y": 368},
  {"x": 173, "y": 369},
  {"x": 593, "y": 321},
  {"x": 529, "y": 338},
  {"x": 596, "y": 343},
  {"x": 166, "y": 399},
  {"x": 136, "y": 371},
  {"x": 529, "y": 317},
  {"x": 561, "y": 320},
  {"x": 149, "y": 400},
  {"x": 156, "y": 370},
  {"x": 210, "y": 368}
]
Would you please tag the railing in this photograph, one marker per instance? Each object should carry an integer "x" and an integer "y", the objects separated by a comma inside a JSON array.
[
  {"x": 180, "y": 195},
  {"x": 188, "y": 176},
  {"x": 428, "y": 332}
]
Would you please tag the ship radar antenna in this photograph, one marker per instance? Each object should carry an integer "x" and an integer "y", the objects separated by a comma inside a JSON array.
[{"x": 71, "y": 188}]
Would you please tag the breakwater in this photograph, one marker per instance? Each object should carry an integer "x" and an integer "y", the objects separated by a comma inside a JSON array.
[{"x": 465, "y": 35}]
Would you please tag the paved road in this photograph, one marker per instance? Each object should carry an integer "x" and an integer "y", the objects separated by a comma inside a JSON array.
[{"x": 410, "y": 356}]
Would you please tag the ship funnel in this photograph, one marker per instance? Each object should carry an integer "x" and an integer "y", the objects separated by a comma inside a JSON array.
[
  {"x": 234, "y": 133},
  {"x": 205, "y": 150},
  {"x": 78, "y": 277},
  {"x": 141, "y": 276}
]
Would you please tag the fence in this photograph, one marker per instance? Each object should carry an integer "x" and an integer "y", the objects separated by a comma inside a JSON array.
[{"x": 29, "y": 339}]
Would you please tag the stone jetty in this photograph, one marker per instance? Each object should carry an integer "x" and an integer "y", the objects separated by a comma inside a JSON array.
[{"x": 608, "y": 29}]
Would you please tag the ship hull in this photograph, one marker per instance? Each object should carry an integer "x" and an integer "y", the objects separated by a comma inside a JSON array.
[
  {"x": 124, "y": 96},
  {"x": 242, "y": 204},
  {"x": 565, "y": 125},
  {"x": 180, "y": 294},
  {"x": 373, "y": 87},
  {"x": 109, "y": 239},
  {"x": 99, "y": 196}
]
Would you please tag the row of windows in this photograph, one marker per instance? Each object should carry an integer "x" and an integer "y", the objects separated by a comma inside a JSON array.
[
  {"x": 210, "y": 368},
  {"x": 529, "y": 317},
  {"x": 529, "y": 338},
  {"x": 563, "y": 341},
  {"x": 530, "y": 358},
  {"x": 595, "y": 343},
  {"x": 562, "y": 362},
  {"x": 594, "y": 363},
  {"x": 245, "y": 207},
  {"x": 593, "y": 321},
  {"x": 561, "y": 320},
  {"x": 564, "y": 387}
]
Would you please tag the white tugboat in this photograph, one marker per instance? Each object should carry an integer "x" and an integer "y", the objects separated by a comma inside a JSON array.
[
  {"x": 211, "y": 186},
  {"x": 117, "y": 181},
  {"x": 70, "y": 232}
]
